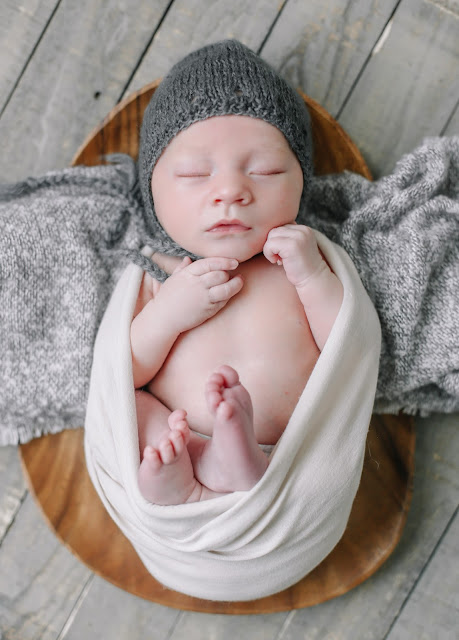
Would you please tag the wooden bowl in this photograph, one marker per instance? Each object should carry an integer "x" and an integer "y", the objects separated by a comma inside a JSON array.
[{"x": 55, "y": 467}]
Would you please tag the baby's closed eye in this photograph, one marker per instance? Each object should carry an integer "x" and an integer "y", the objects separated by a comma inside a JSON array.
[
  {"x": 266, "y": 171},
  {"x": 193, "y": 174},
  {"x": 192, "y": 168}
]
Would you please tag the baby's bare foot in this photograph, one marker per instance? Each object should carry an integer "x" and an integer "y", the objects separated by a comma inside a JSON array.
[
  {"x": 232, "y": 459},
  {"x": 166, "y": 475}
]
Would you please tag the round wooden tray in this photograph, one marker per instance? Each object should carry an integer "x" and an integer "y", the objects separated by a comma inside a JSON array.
[{"x": 55, "y": 468}]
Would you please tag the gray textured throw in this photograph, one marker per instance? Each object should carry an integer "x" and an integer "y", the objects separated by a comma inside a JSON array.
[
  {"x": 60, "y": 243},
  {"x": 66, "y": 237},
  {"x": 402, "y": 233}
]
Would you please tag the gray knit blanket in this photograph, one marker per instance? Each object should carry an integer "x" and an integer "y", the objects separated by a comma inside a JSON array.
[
  {"x": 66, "y": 238},
  {"x": 61, "y": 252}
]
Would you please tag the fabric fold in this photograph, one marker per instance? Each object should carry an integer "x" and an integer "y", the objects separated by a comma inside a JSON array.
[{"x": 244, "y": 545}]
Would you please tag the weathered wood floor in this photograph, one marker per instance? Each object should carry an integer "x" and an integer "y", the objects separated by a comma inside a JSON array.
[{"x": 388, "y": 70}]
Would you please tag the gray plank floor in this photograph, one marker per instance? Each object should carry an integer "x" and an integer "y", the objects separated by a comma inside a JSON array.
[{"x": 388, "y": 70}]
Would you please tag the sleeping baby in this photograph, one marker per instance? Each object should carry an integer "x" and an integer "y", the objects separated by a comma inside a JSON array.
[
  {"x": 223, "y": 348},
  {"x": 236, "y": 330}
]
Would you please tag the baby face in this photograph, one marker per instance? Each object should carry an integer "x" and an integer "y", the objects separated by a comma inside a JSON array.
[{"x": 221, "y": 185}]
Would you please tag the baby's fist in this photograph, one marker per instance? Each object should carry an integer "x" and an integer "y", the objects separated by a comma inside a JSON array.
[{"x": 295, "y": 247}]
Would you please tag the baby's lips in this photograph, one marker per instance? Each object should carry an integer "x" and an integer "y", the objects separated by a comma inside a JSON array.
[{"x": 233, "y": 222}]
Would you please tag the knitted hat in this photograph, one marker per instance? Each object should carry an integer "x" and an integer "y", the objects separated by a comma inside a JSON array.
[{"x": 220, "y": 79}]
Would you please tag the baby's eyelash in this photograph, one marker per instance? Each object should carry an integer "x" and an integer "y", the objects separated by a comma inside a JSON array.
[
  {"x": 270, "y": 172},
  {"x": 193, "y": 175}
]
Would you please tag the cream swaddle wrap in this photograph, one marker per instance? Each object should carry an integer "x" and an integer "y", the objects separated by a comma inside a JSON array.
[{"x": 244, "y": 545}]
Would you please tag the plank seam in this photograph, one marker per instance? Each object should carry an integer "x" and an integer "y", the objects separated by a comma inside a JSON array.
[
  {"x": 421, "y": 573},
  {"x": 385, "y": 34},
  {"x": 13, "y": 519},
  {"x": 76, "y": 607},
  {"x": 445, "y": 5},
  {"x": 374, "y": 50},
  {"x": 337, "y": 54},
  {"x": 144, "y": 52},
  {"x": 286, "y": 625},
  {"x": 271, "y": 28},
  {"x": 175, "y": 624},
  {"x": 27, "y": 62},
  {"x": 442, "y": 133}
]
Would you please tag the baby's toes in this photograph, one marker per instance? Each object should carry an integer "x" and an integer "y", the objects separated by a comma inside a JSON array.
[
  {"x": 176, "y": 417},
  {"x": 226, "y": 409},
  {"x": 167, "y": 451},
  {"x": 213, "y": 390},
  {"x": 215, "y": 381},
  {"x": 178, "y": 441},
  {"x": 229, "y": 376},
  {"x": 152, "y": 458},
  {"x": 177, "y": 422}
]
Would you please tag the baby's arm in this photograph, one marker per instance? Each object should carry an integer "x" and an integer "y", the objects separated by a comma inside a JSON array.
[
  {"x": 320, "y": 291},
  {"x": 195, "y": 292}
]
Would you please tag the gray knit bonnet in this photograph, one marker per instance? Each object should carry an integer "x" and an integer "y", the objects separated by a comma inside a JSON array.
[{"x": 219, "y": 79}]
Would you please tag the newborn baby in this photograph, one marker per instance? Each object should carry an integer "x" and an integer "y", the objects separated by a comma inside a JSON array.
[
  {"x": 260, "y": 332},
  {"x": 222, "y": 350}
]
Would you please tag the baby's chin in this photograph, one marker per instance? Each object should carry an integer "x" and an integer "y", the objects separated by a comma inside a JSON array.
[
  {"x": 241, "y": 252},
  {"x": 240, "y": 256}
]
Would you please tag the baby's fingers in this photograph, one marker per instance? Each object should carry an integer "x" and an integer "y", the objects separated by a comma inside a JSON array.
[
  {"x": 213, "y": 278},
  {"x": 206, "y": 265},
  {"x": 273, "y": 249},
  {"x": 223, "y": 292}
]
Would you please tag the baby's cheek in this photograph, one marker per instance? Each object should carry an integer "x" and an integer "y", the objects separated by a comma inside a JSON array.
[{"x": 257, "y": 244}]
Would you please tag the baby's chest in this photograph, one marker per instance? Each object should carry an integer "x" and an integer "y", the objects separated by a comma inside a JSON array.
[
  {"x": 264, "y": 334},
  {"x": 265, "y": 323}
]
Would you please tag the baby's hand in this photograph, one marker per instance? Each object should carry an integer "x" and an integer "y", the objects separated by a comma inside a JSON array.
[
  {"x": 295, "y": 247},
  {"x": 196, "y": 291}
]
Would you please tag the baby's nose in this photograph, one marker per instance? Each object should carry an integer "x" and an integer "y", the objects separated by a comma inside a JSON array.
[{"x": 231, "y": 189}]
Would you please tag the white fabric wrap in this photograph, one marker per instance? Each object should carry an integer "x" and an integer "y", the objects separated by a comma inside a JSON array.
[{"x": 244, "y": 545}]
